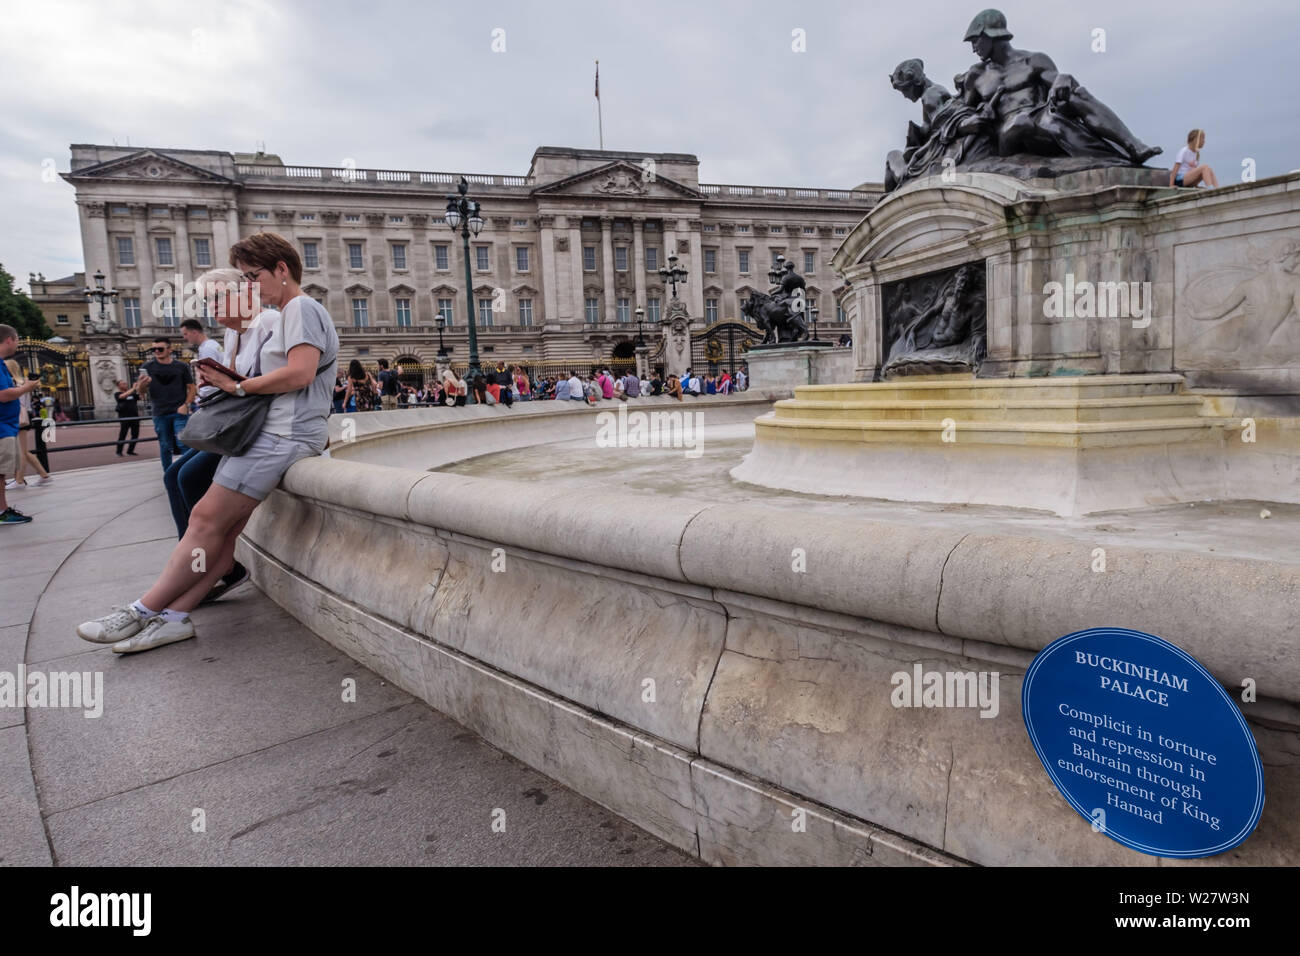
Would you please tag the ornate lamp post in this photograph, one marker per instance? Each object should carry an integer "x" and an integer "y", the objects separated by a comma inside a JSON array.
[
  {"x": 464, "y": 213},
  {"x": 640, "y": 317},
  {"x": 101, "y": 295},
  {"x": 442, "y": 323},
  {"x": 813, "y": 313},
  {"x": 673, "y": 274}
]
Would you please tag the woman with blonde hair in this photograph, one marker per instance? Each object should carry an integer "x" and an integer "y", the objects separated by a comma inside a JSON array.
[
  {"x": 26, "y": 423},
  {"x": 1188, "y": 170},
  {"x": 453, "y": 387}
]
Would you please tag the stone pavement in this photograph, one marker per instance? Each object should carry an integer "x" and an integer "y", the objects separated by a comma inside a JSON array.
[{"x": 244, "y": 727}]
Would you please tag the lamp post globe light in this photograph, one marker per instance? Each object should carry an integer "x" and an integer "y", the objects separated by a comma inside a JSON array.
[
  {"x": 640, "y": 317},
  {"x": 673, "y": 273},
  {"x": 442, "y": 323},
  {"x": 101, "y": 295},
  {"x": 465, "y": 214}
]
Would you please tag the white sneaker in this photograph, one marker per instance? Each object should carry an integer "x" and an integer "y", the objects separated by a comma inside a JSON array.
[
  {"x": 13, "y": 485},
  {"x": 124, "y": 622},
  {"x": 156, "y": 633},
  {"x": 46, "y": 480}
]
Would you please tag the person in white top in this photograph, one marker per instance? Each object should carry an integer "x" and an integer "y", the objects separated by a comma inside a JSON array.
[
  {"x": 1188, "y": 170},
  {"x": 204, "y": 347}
]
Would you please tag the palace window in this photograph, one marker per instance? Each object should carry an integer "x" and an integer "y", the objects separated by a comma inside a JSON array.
[
  {"x": 310, "y": 256},
  {"x": 710, "y": 260},
  {"x": 352, "y": 217},
  {"x": 164, "y": 247},
  {"x": 440, "y": 260},
  {"x": 742, "y": 260},
  {"x": 521, "y": 258},
  {"x": 199, "y": 212},
  {"x": 624, "y": 310},
  {"x": 482, "y": 259},
  {"x": 203, "y": 253},
  {"x": 397, "y": 220},
  {"x": 588, "y": 258},
  {"x": 652, "y": 259},
  {"x": 121, "y": 210},
  {"x": 355, "y": 260},
  {"x": 484, "y": 313},
  {"x": 125, "y": 251},
  {"x": 521, "y": 222},
  {"x": 447, "y": 312},
  {"x": 131, "y": 312},
  {"x": 593, "y": 311},
  {"x": 710, "y": 311},
  {"x": 360, "y": 313},
  {"x": 525, "y": 311},
  {"x": 652, "y": 310},
  {"x": 809, "y": 262},
  {"x": 307, "y": 217},
  {"x": 403, "y": 311},
  {"x": 620, "y": 258},
  {"x": 399, "y": 255},
  {"x": 841, "y": 231},
  {"x": 261, "y": 215},
  {"x": 61, "y": 319},
  {"x": 840, "y": 314}
]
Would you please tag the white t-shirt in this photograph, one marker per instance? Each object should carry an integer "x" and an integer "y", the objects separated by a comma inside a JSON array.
[
  {"x": 1186, "y": 159},
  {"x": 575, "y": 387},
  {"x": 209, "y": 348},
  {"x": 301, "y": 414}
]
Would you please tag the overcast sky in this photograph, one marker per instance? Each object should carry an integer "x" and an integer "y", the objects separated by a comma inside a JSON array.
[{"x": 418, "y": 85}]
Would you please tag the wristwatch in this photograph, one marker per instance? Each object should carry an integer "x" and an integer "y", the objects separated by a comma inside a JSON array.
[{"x": 239, "y": 390}]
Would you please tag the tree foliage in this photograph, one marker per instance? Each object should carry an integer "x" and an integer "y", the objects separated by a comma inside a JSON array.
[{"x": 19, "y": 311}]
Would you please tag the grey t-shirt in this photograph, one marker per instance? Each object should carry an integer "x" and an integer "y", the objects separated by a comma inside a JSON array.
[{"x": 301, "y": 415}]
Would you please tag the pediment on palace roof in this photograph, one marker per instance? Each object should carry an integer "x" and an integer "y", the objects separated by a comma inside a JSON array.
[
  {"x": 619, "y": 179},
  {"x": 149, "y": 165}
]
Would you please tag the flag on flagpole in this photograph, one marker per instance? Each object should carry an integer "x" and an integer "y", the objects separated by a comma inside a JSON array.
[{"x": 597, "y": 79}]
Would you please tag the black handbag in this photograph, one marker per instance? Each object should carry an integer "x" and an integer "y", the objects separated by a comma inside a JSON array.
[{"x": 227, "y": 424}]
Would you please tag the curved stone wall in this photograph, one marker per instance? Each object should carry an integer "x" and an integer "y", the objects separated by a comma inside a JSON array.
[{"x": 722, "y": 699}]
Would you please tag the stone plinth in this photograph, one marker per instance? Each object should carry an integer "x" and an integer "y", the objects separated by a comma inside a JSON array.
[
  {"x": 1070, "y": 445},
  {"x": 785, "y": 366}
]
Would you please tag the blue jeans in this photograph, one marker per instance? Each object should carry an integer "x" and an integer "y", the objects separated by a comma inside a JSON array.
[
  {"x": 186, "y": 481},
  {"x": 167, "y": 427}
]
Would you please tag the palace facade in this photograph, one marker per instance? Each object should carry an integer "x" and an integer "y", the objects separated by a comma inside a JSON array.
[{"x": 567, "y": 254}]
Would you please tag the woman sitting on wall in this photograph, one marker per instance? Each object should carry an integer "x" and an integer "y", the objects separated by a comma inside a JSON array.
[{"x": 1188, "y": 170}]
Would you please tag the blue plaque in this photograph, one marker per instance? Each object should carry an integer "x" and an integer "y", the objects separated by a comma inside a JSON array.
[{"x": 1144, "y": 743}]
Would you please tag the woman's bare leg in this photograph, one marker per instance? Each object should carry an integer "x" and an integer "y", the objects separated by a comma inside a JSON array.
[{"x": 199, "y": 559}]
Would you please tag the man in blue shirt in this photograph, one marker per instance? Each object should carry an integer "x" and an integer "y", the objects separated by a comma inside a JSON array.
[{"x": 10, "y": 393}]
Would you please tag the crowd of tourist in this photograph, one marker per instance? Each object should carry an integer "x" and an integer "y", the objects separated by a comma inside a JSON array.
[{"x": 358, "y": 390}]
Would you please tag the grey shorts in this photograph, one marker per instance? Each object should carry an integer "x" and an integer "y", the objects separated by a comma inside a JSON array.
[{"x": 256, "y": 472}]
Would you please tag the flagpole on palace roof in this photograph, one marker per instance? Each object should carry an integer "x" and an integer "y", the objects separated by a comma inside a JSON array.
[{"x": 600, "y": 119}]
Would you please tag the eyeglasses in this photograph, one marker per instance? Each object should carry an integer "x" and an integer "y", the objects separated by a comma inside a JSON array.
[
  {"x": 161, "y": 349},
  {"x": 252, "y": 276}
]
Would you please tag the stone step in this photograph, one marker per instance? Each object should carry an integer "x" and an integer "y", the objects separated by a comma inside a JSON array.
[
  {"x": 945, "y": 387},
  {"x": 1065, "y": 434},
  {"x": 1030, "y": 409}
]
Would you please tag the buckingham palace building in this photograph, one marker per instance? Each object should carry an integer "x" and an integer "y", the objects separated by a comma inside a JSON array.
[{"x": 566, "y": 256}]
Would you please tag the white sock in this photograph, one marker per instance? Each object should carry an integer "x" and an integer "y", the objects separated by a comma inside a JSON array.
[
  {"x": 175, "y": 617},
  {"x": 142, "y": 610}
]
